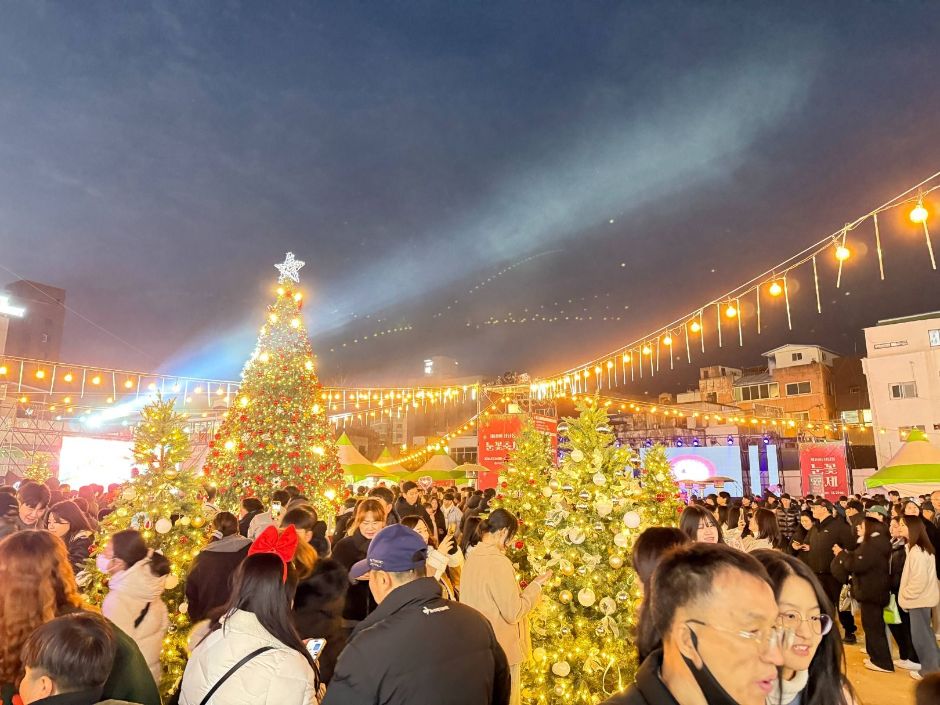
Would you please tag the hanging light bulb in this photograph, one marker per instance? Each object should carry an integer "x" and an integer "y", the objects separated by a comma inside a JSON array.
[
  {"x": 775, "y": 289},
  {"x": 842, "y": 253},
  {"x": 695, "y": 327},
  {"x": 667, "y": 340},
  {"x": 731, "y": 311},
  {"x": 647, "y": 350},
  {"x": 626, "y": 358},
  {"x": 918, "y": 213}
]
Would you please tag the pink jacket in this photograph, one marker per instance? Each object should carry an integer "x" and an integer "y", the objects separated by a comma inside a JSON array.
[{"x": 488, "y": 584}]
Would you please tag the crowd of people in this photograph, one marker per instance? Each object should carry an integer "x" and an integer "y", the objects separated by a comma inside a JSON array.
[{"x": 412, "y": 599}]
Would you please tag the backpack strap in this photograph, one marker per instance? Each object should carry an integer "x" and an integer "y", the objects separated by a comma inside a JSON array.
[{"x": 231, "y": 671}]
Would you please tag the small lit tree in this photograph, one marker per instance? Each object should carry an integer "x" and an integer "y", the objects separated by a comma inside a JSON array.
[
  {"x": 659, "y": 493},
  {"x": 39, "y": 468},
  {"x": 164, "y": 502},
  {"x": 524, "y": 491}
]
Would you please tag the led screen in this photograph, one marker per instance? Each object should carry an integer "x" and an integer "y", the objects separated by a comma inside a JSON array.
[
  {"x": 697, "y": 464},
  {"x": 85, "y": 461}
]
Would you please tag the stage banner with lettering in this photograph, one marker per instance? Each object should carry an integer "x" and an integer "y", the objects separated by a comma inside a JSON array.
[
  {"x": 496, "y": 439},
  {"x": 824, "y": 469}
]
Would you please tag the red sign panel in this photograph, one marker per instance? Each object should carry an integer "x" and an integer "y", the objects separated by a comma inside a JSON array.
[
  {"x": 496, "y": 439},
  {"x": 824, "y": 469}
]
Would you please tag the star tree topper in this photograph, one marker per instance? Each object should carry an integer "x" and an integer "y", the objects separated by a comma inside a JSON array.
[{"x": 289, "y": 269}]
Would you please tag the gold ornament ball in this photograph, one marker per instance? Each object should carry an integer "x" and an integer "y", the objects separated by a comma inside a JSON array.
[
  {"x": 567, "y": 567},
  {"x": 122, "y": 512},
  {"x": 565, "y": 596},
  {"x": 170, "y": 473},
  {"x": 199, "y": 521},
  {"x": 616, "y": 562}
]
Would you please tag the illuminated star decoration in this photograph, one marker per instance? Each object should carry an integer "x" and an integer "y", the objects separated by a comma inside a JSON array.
[{"x": 289, "y": 269}]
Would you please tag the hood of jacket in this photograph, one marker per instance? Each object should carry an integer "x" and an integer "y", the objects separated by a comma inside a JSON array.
[
  {"x": 138, "y": 581},
  {"x": 228, "y": 544},
  {"x": 328, "y": 582}
]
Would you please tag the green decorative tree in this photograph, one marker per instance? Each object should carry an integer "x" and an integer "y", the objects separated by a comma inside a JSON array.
[
  {"x": 659, "y": 493},
  {"x": 39, "y": 468},
  {"x": 523, "y": 491},
  {"x": 164, "y": 503},
  {"x": 276, "y": 432},
  {"x": 583, "y": 633}
]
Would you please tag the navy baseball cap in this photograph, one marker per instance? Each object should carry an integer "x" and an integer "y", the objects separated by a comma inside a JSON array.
[{"x": 395, "y": 549}]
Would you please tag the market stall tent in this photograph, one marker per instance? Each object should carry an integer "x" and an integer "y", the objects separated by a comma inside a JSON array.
[
  {"x": 353, "y": 462},
  {"x": 914, "y": 470},
  {"x": 395, "y": 470}
]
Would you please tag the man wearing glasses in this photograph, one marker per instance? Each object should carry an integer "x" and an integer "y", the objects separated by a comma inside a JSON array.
[{"x": 722, "y": 638}]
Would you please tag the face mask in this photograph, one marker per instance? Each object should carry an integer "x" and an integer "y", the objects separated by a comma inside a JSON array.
[
  {"x": 714, "y": 692},
  {"x": 104, "y": 563}
]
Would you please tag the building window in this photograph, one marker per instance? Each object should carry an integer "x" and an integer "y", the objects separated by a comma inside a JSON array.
[
  {"x": 903, "y": 390},
  {"x": 753, "y": 392},
  {"x": 855, "y": 390},
  {"x": 934, "y": 338},
  {"x": 796, "y": 357},
  {"x": 44, "y": 338},
  {"x": 464, "y": 455},
  {"x": 795, "y": 389}
]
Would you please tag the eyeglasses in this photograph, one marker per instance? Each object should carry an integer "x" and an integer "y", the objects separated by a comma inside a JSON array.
[
  {"x": 56, "y": 520},
  {"x": 763, "y": 639},
  {"x": 819, "y": 624}
]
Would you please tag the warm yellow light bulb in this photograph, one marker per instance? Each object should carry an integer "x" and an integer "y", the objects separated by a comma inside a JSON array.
[
  {"x": 316, "y": 408},
  {"x": 280, "y": 291},
  {"x": 67, "y": 377},
  {"x": 273, "y": 318},
  {"x": 3, "y": 369},
  {"x": 220, "y": 391},
  {"x": 319, "y": 450},
  {"x": 298, "y": 296},
  {"x": 229, "y": 445},
  {"x": 308, "y": 365},
  {"x": 40, "y": 374},
  {"x": 67, "y": 400},
  {"x": 128, "y": 384},
  {"x": 330, "y": 494},
  {"x": 695, "y": 327},
  {"x": 919, "y": 213},
  {"x": 295, "y": 323},
  {"x": 626, "y": 358},
  {"x": 152, "y": 386},
  {"x": 110, "y": 400},
  {"x": 647, "y": 350},
  {"x": 842, "y": 253},
  {"x": 667, "y": 340},
  {"x": 775, "y": 289},
  {"x": 610, "y": 364},
  {"x": 731, "y": 311},
  {"x": 24, "y": 399},
  {"x": 96, "y": 380},
  {"x": 264, "y": 357}
]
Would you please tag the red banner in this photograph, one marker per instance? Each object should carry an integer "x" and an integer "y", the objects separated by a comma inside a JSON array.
[
  {"x": 496, "y": 439},
  {"x": 824, "y": 470}
]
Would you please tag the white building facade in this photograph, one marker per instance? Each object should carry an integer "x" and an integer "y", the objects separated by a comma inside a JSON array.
[{"x": 903, "y": 372}]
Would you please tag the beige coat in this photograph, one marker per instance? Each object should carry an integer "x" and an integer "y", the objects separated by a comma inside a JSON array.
[{"x": 488, "y": 584}]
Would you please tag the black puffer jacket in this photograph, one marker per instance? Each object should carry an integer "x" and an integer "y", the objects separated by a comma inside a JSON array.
[
  {"x": 419, "y": 649},
  {"x": 821, "y": 538},
  {"x": 869, "y": 566},
  {"x": 788, "y": 520},
  {"x": 318, "y": 611},
  {"x": 359, "y": 601},
  {"x": 896, "y": 564},
  {"x": 209, "y": 583}
]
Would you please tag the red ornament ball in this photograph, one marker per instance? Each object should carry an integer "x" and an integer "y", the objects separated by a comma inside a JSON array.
[
  {"x": 519, "y": 545},
  {"x": 504, "y": 485},
  {"x": 523, "y": 584}
]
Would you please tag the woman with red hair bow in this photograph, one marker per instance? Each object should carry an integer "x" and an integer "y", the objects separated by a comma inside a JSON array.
[{"x": 252, "y": 654}]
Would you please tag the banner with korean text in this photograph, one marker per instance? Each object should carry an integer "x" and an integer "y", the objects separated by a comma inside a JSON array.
[
  {"x": 824, "y": 469},
  {"x": 496, "y": 439}
]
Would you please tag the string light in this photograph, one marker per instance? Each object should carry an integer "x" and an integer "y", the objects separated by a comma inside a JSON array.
[
  {"x": 695, "y": 327},
  {"x": 731, "y": 311},
  {"x": 843, "y": 253},
  {"x": 775, "y": 289},
  {"x": 40, "y": 374},
  {"x": 918, "y": 213}
]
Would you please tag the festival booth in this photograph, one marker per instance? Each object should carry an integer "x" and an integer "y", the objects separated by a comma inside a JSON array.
[
  {"x": 440, "y": 467},
  {"x": 354, "y": 463},
  {"x": 914, "y": 470},
  {"x": 396, "y": 470}
]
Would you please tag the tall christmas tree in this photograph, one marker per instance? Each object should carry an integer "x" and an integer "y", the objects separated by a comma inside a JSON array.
[
  {"x": 659, "y": 493},
  {"x": 164, "y": 503},
  {"x": 276, "y": 433},
  {"x": 583, "y": 633},
  {"x": 524, "y": 491}
]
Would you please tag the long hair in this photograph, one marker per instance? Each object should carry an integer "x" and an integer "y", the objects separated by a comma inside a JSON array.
[
  {"x": 694, "y": 515},
  {"x": 827, "y": 684},
  {"x": 917, "y": 533},
  {"x": 412, "y": 520},
  {"x": 366, "y": 506},
  {"x": 767, "y": 527},
  {"x": 69, "y": 511},
  {"x": 650, "y": 547},
  {"x": 305, "y": 558},
  {"x": 36, "y": 584},
  {"x": 259, "y": 587}
]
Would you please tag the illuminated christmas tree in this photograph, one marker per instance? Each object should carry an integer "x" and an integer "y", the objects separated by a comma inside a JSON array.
[
  {"x": 276, "y": 433},
  {"x": 524, "y": 492},
  {"x": 583, "y": 633},
  {"x": 164, "y": 503},
  {"x": 659, "y": 492},
  {"x": 39, "y": 468}
]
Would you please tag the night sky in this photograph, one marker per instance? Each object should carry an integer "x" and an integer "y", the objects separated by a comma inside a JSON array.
[{"x": 624, "y": 160}]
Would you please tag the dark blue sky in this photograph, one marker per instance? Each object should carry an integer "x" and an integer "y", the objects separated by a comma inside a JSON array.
[{"x": 159, "y": 158}]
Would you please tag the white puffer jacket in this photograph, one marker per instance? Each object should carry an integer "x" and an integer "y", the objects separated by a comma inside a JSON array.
[
  {"x": 278, "y": 677},
  {"x": 919, "y": 586},
  {"x": 129, "y": 593}
]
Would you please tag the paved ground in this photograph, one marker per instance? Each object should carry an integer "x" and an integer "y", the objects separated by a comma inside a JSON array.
[{"x": 878, "y": 688}]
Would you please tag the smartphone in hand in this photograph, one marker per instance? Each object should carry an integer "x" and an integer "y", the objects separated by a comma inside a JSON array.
[{"x": 315, "y": 647}]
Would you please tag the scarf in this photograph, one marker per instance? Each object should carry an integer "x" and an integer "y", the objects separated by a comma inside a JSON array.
[{"x": 791, "y": 689}]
